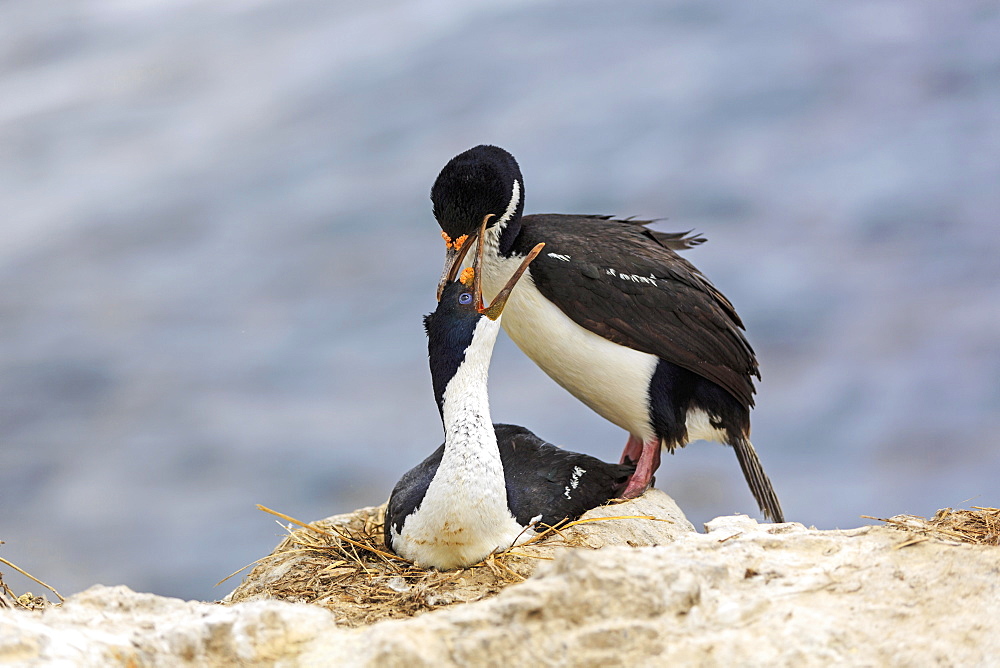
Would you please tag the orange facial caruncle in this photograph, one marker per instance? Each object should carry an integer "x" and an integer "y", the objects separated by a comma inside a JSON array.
[{"x": 456, "y": 244}]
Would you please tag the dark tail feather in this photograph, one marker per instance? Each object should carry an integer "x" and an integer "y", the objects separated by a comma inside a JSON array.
[
  {"x": 759, "y": 483},
  {"x": 675, "y": 241}
]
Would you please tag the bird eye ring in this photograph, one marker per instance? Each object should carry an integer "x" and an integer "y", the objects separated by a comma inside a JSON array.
[{"x": 465, "y": 298}]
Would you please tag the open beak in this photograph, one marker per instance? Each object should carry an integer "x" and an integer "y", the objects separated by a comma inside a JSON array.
[{"x": 494, "y": 310}]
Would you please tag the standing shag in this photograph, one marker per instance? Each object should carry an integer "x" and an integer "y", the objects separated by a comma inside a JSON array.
[
  {"x": 611, "y": 313},
  {"x": 488, "y": 485}
]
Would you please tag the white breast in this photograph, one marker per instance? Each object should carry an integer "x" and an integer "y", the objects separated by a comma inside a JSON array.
[
  {"x": 611, "y": 379},
  {"x": 464, "y": 517},
  {"x": 451, "y": 529}
]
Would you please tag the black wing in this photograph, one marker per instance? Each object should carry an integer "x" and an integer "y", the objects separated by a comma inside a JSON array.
[
  {"x": 542, "y": 480},
  {"x": 625, "y": 282},
  {"x": 409, "y": 492},
  {"x": 547, "y": 481}
]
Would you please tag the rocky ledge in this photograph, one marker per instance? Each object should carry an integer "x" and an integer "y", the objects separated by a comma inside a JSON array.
[{"x": 742, "y": 593}]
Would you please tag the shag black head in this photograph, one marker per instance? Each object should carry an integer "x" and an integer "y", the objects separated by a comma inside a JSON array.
[
  {"x": 481, "y": 181},
  {"x": 481, "y": 185}
]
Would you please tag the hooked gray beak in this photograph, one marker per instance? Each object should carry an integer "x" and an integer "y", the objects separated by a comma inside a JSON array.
[{"x": 453, "y": 258}]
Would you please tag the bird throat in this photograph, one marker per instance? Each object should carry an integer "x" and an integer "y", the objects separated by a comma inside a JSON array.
[
  {"x": 464, "y": 513},
  {"x": 470, "y": 450}
]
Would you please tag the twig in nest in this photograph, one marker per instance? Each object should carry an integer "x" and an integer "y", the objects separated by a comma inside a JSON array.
[
  {"x": 261, "y": 560},
  {"x": 32, "y": 577},
  {"x": 620, "y": 517},
  {"x": 512, "y": 553},
  {"x": 491, "y": 563},
  {"x": 911, "y": 541},
  {"x": 516, "y": 576},
  {"x": 549, "y": 530}
]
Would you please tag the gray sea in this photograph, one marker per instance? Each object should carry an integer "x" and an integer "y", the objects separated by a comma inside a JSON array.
[{"x": 216, "y": 246}]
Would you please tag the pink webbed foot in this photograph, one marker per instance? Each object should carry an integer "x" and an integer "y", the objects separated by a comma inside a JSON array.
[{"x": 646, "y": 457}]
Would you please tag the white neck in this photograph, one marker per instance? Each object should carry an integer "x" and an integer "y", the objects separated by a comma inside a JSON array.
[
  {"x": 470, "y": 442},
  {"x": 464, "y": 515}
]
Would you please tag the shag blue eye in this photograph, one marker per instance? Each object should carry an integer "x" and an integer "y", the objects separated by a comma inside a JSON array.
[{"x": 465, "y": 298}]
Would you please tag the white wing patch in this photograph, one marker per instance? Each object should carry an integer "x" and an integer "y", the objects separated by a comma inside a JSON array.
[
  {"x": 574, "y": 481},
  {"x": 635, "y": 278},
  {"x": 557, "y": 256}
]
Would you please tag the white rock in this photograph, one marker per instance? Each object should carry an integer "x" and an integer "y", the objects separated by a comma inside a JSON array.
[{"x": 743, "y": 594}]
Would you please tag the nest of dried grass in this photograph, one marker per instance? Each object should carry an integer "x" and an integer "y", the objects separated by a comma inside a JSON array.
[
  {"x": 27, "y": 600},
  {"x": 342, "y": 564},
  {"x": 979, "y": 526}
]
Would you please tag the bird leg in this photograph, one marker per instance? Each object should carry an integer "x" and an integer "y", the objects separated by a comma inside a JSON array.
[
  {"x": 646, "y": 457},
  {"x": 630, "y": 455}
]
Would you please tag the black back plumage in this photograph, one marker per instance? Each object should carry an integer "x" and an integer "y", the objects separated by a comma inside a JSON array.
[
  {"x": 627, "y": 284},
  {"x": 557, "y": 484},
  {"x": 541, "y": 480},
  {"x": 654, "y": 301},
  {"x": 473, "y": 184}
]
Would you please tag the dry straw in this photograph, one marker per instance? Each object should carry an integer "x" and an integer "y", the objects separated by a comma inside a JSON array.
[
  {"x": 28, "y": 601},
  {"x": 980, "y": 526},
  {"x": 343, "y": 565}
]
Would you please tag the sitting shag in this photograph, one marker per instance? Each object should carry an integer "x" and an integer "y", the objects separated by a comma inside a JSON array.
[
  {"x": 488, "y": 485},
  {"x": 613, "y": 314}
]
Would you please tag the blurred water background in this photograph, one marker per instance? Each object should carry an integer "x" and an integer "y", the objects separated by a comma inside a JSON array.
[{"x": 217, "y": 246}]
